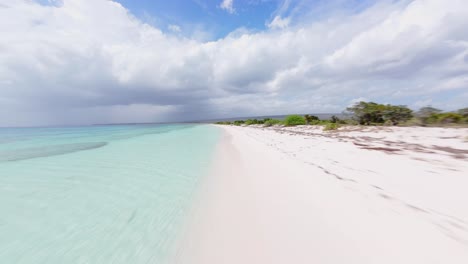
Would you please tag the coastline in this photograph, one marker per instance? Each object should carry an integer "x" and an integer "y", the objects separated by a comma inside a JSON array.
[{"x": 299, "y": 195}]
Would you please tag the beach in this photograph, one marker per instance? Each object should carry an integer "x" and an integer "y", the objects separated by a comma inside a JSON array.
[{"x": 357, "y": 195}]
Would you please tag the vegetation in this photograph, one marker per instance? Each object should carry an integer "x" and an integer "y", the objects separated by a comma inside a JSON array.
[
  {"x": 238, "y": 122},
  {"x": 369, "y": 113},
  {"x": 335, "y": 119},
  {"x": 331, "y": 126},
  {"x": 463, "y": 112},
  {"x": 272, "y": 122},
  {"x": 223, "y": 123},
  {"x": 429, "y": 116},
  {"x": 443, "y": 119},
  {"x": 396, "y": 114},
  {"x": 294, "y": 120},
  {"x": 310, "y": 119},
  {"x": 251, "y": 122}
]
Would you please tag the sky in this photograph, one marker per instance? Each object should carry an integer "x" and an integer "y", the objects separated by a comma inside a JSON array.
[{"x": 78, "y": 62}]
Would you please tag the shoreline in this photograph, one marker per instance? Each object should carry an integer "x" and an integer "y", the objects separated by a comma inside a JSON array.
[{"x": 298, "y": 195}]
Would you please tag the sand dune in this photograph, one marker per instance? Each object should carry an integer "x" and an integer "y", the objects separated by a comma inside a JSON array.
[{"x": 300, "y": 195}]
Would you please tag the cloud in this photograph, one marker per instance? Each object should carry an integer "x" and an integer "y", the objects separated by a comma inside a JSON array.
[
  {"x": 228, "y": 6},
  {"x": 174, "y": 28},
  {"x": 279, "y": 23},
  {"x": 64, "y": 64}
]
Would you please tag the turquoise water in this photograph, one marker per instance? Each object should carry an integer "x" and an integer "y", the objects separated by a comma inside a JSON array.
[{"x": 98, "y": 194}]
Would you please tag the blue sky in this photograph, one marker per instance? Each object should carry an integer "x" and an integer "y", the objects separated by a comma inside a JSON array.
[
  {"x": 207, "y": 19},
  {"x": 205, "y": 14},
  {"x": 209, "y": 16}
]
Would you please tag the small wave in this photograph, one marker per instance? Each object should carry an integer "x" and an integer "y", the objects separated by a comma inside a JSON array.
[{"x": 40, "y": 152}]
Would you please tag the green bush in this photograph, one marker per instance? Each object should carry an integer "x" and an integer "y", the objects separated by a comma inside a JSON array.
[
  {"x": 428, "y": 115},
  {"x": 331, "y": 126},
  {"x": 335, "y": 119},
  {"x": 449, "y": 118},
  {"x": 238, "y": 122},
  {"x": 442, "y": 119},
  {"x": 369, "y": 113},
  {"x": 223, "y": 123},
  {"x": 350, "y": 122},
  {"x": 294, "y": 120},
  {"x": 315, "y": 122},
  {"x": 463, "y": 112},
  {"x": 253, "y": 122},
  {"x": 310, "y": 119},
  {"x": 272, "y": 122},
  {"x": 395, "y": 114}
]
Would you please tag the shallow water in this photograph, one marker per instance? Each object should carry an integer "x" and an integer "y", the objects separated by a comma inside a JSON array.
[{"x": 98, "y": 194}]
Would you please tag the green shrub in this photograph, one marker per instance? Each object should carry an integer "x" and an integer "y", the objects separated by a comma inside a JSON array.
[
  {"x": 463, "y": 112},
  {"x": 368, "y": 113},
  {"x": 272, "y": 122},
  {"x": 395, "y": 114},
  {"x": 238, "y": 122},
  {"x": 331, "y": 126},
  {"x": 335, "y": 119},
  {"x": 428, "y": 115},
  {"x": 249, "y": 122},
  {"x": 311, "y": 119},
  {"x": 351, "y": 122},
  {"x": 449, "y": 118},
  {"x": 223, "y": 123},
  {"x": 442, "y": 119},
  {"x": 413, "y": 122},
  {"x": 315, "y": 122},
  {"x": 253, "y": 122},
  {"x": 294, "y": 120}
]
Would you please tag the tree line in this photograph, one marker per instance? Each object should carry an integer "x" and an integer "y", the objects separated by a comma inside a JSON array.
[{"x": 370, "y": 113}]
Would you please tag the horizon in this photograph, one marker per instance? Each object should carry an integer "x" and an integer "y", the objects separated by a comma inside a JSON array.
[
  {"x": 160, "y": 62},
  {"x": 174, "y": 122}
]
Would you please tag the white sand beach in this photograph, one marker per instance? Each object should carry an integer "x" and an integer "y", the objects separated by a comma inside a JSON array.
[{"x": 301, "y": 195}]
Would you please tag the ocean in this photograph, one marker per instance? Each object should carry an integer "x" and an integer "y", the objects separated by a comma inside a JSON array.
[{"x": 98, "y": 194}]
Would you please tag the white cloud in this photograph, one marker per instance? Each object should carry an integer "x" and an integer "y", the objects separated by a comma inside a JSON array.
[
  {"x": 279, "y": 23},
  {"x": 228, "y": 5},
  {"x": 174, "y": 28},
  {"x": 65, "y": 64}
]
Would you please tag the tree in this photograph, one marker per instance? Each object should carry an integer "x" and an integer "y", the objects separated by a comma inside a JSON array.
[
  {"x": 427, "y": 111},
  {"x": 335, "y": 119},
  {"x": 310, "y": 118},
  {"x": 428, "y": 114},
  {"x": 397, "y": 114},
  {"x": 449, "y": 118},
  {"x": 463, "y": 112},
  {"x": 367, "y": 113}
]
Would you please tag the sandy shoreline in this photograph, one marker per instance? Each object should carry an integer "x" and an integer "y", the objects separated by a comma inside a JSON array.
[{"x": 300, "y": 195}]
